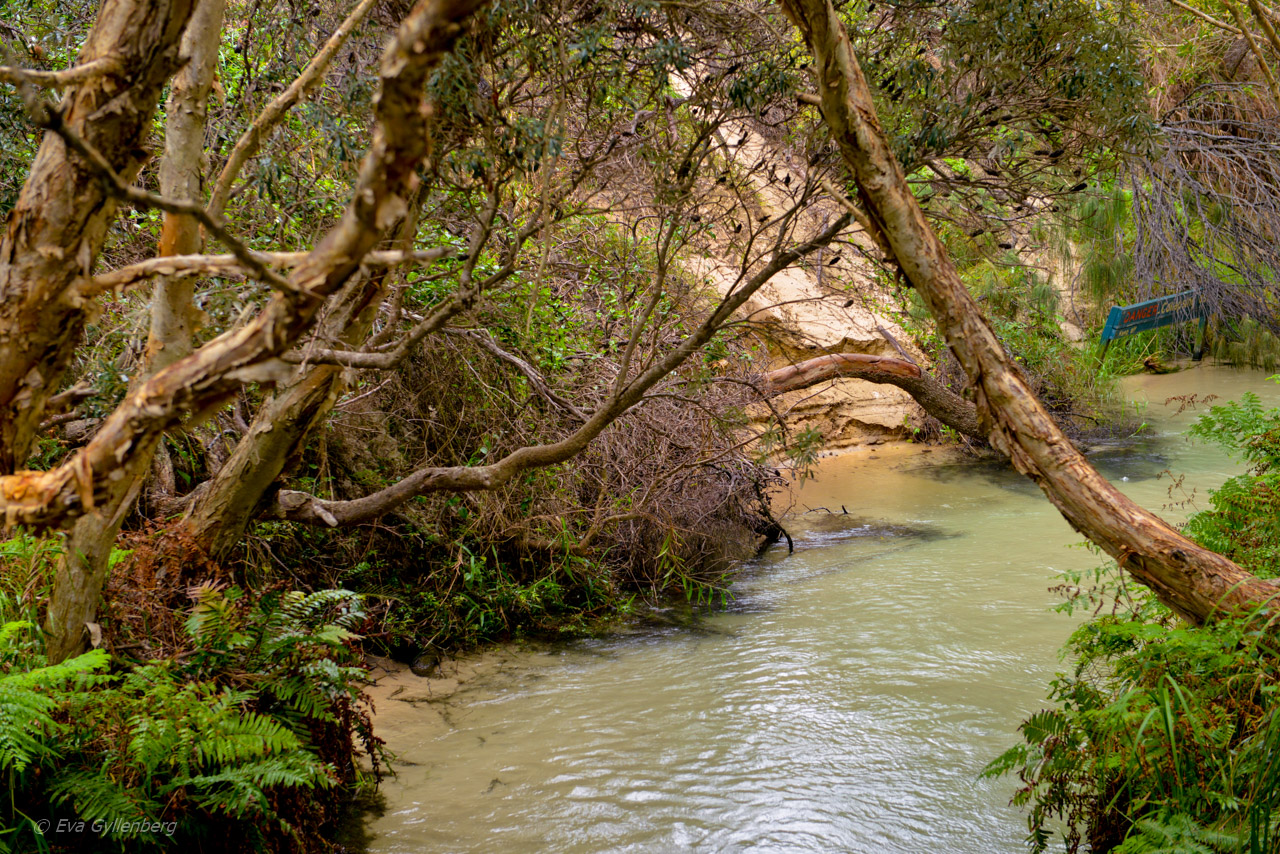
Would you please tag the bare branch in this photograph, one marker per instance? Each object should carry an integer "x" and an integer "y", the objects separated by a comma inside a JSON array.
[
  {"x": 859, "y": 215},
  {"x": 485, "y": 340},
  {"x": 301, "y": 507},
  {"x": 70, "y": 398},
  {"x": 122, "y": 189},
  {"x": 936, "y": 399},
  {"x": 60, "y": 79},
  {"x": 465, "y": 296},
  {"x": 1222, "y": 25},
  {"x": 1207, "y": 214},
  {"x": 230, "y": 265},
  {"x": 251, "y": 140},
  {"x": 1263, "y": 65}
]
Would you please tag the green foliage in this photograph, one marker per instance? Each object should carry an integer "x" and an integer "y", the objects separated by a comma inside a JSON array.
[
  {"x": 27, "y": 724},
  {"x": 1044, "y": 89},
  {"x": 1244, "y": 522},
  {"x": 200, "y": 749},
  {"x": 1023, "y": 307},
  {"x": 1245, "y": 341},
  {"x": 1166, "y": 736},
  {"x": 1100, "y": 228}
]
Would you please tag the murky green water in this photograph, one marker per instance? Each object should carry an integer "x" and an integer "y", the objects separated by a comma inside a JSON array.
[{"x": 846, "y": 702}]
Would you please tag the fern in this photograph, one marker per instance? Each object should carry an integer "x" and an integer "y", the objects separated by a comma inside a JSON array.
[
  {"x": 27, "y": 703},
  {"x": 241, "y": 791},
  {"x": 97, "y": 796},
  {"x": 1167, "y": 736},
  {"x": 1177, "y": 834},
  {"x": 210, "y": 739}
]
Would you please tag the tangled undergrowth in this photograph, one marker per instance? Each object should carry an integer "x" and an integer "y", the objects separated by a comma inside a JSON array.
[{"x": 662, "y": 504}]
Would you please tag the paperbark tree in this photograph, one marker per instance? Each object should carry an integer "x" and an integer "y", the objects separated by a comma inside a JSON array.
[
  {"x": 1191, "y": 580},
  {"x": 83, "y": 565},
  {"x": 95, "y": 478},
  {"x": 57, "y": 228},
  {"x": 251, "y": 352},
  {"x": 325, "y": 302},
  {"x": 226, "y": 503}
]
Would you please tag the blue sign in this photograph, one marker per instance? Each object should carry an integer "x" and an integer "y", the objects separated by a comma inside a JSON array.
[{"x": 1126, "y": 320}]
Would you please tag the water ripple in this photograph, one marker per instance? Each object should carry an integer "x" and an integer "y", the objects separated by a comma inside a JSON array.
[{"x": 846, "y": 702}]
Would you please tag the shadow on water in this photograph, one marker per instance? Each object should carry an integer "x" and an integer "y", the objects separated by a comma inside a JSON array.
[
  {"x": 989, "y": 470},
  {"x": 1136, "y": 459},
  {"x": 816, "y": 529},
  {"x": 819, "y": 527},
  {"x": 1141, "y": 459}
]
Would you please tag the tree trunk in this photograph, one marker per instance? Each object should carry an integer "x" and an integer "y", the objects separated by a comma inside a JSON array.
[
  {"x": 58, "y": 226},
  {"x": 1191, "y": 580},
  {"x": 935, "y": 398},
  {"x": 174, "y": 315},
  {"x": 222, "y": 511},
  {"x": 224, "y": 506},
  {"x": 206, "y": 379},
  {"x": 82, "y": 569}
]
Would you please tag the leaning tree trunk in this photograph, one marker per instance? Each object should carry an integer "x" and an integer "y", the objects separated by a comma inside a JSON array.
[
  {"x": 935, "y": 398},
  {"x": 193, "y": 387},
  {"x": 58, "y": 226},
  {"x": 1193, "y": 581},
  {"x": 209, "y": 376},
  {"x": 82, "y": 569}
]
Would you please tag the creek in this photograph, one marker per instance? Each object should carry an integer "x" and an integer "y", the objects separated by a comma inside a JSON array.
[{"x": 846, "y": 700}]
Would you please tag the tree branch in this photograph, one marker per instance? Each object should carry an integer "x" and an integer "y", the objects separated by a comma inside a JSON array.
[
  {"x": 485, "y": 341},
  {"x": 125, "y": 191},
  {"x": 936, "y": 399},
  {"x": 251, "y": 140},
  {"x": 1263, "y": 65},
  {"x": 60, "y": 79},
  {"x": 1192, "y": 580},
  {"x": 200, "y": 382},
  {"x": 1222, "y": 25},
  {"x": 230, "y": 265},
  {"x": 1264, "y": 21},
  {"x": 301, "y": 507}
]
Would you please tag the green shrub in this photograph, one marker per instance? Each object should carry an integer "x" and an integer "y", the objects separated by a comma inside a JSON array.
[
  {"x": 219, "y": 747},
  {"x": 1166, "y": 736}
]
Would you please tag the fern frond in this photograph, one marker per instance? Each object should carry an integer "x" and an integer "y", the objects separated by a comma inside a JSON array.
[{"x": 97, "y": 797}]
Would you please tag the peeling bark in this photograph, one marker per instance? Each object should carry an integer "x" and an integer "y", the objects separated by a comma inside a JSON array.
[
  {"x": 57, "y": 228},
  {"x": 1191, "y": 580},
  {"x": 195, "y": 386},
  {"x": 226, "y": 504},
  {"x": 100, "y": 481},
  {"x": 81, "y": 571},
  {"x": 174, "y": 315}
]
